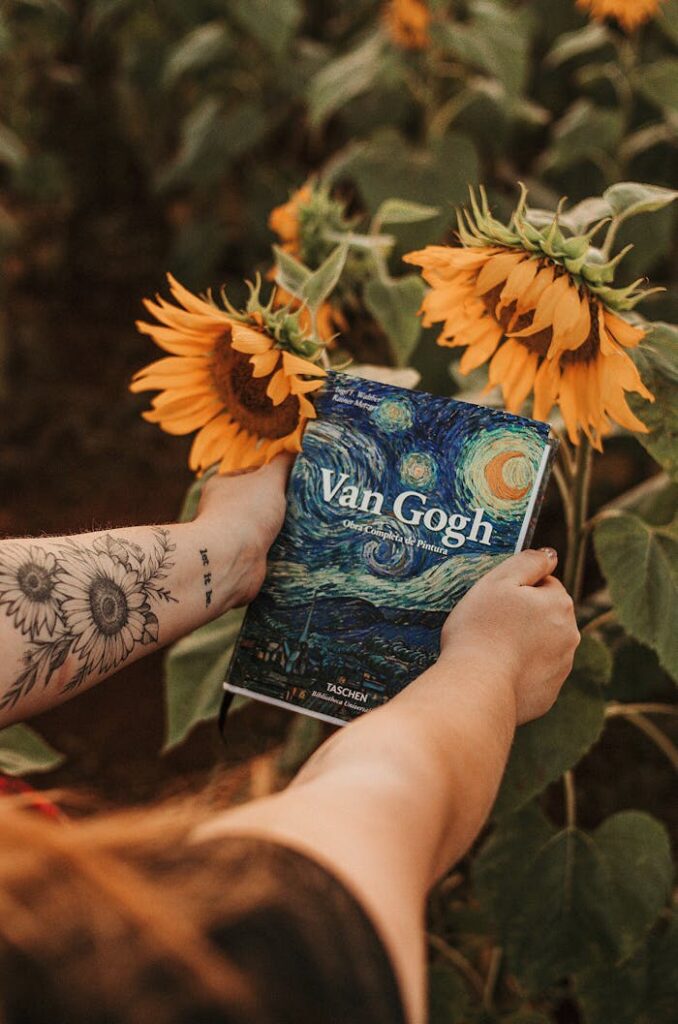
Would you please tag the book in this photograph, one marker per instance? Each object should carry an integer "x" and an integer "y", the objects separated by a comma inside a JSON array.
[{"x": 398, "y": 503}]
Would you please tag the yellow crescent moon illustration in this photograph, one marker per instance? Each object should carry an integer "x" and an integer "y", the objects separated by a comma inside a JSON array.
[{"x": 494, "y": 474}]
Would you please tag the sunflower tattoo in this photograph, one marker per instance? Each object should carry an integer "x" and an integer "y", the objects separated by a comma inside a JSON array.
[{"x": 91, "y": 602}]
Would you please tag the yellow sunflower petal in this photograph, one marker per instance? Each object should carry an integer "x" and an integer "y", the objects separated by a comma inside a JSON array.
[
  {"x": 496, "y": 270},
  {"x": 264, "y": 363},
  {"x": 246, "y": 339},
  {"x": 622, "y": 331},
  {"x": 480, "y": 352},
  {"x": 546, "y": 385},
  {"x": 192, "y": 302},
  {"x": 302, "y": 387},
  {"x": 295, "y": 364},
  {"x": 159, "y": 382},
  {"x": 185, "y": 424},
  {"x": 178, "y": 343},
  {"x": 278, "y": 387},
  {"x": 571, "y": 323}
]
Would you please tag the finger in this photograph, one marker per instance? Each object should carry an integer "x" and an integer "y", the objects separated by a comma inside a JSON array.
[{"x": 528, "y": 568}]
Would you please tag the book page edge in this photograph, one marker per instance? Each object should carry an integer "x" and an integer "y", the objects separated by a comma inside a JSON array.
[
  {"x": 286, "y": 705},
  {"x": 546, "y": 455}
]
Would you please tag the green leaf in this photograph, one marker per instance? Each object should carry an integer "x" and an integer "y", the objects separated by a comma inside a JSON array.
[
  {"x": 394, "y": 305},
  {"x": 579, "y": 43},
  {"x": 344, "y": 78},
  {"x": 629, "y": 198},
  {"x": 195, "y": 669},
  {"x": 575, "y": 899},
  {"x": 657, "y": 360},
  {"x": 640, "y": 564},
  {"x": 403, "y": 211},
  {"x": 642, "y": 991},
  {"x": 495, "y": 39},
  {"x": 638, "y": 676},
  {"x": 271, "y": 24},
  {"x": 447, "y": 996},
  {"x": 23, "y": 752},
  {"x": 211, "y": 138},
  {"x": 290, "y": 274},
  {"x": 547, "y": 747},
  {"x": 584, "y": 131},
  {"x": 202, "y": 48},
  {"x": 658, "y": 82},
  {"x": 324, "y": 280},
  {"x": 501, "y": 870},
  {"x": 667, "y": 17},
  {"x": 584, "y": 214},
  {"x": 438, "y": 176}
]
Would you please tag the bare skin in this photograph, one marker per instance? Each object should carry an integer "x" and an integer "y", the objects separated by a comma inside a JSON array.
[
  {"x": 390, "y": 802},
  {"x": 74, "y": 609}
]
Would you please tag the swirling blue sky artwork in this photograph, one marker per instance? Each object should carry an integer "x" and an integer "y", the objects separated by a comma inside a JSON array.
[{"x": 397, "y": 504}]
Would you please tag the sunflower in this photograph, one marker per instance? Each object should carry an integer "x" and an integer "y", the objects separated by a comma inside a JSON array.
[
  {"x": 525, "y": 305},
  {"x": 302, "y": 225},
  {"x": 629, "y": 13},
  {"x": 105, "y": 608},
  {"x": 28, "y": 578},
  {"x": 229, "y": 377},
  {"x": 407, "y": 23}
]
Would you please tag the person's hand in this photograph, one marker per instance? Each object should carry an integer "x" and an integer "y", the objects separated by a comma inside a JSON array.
[
  {"x": 247, "y": 510},
  {"x": 522, "y": 619}
]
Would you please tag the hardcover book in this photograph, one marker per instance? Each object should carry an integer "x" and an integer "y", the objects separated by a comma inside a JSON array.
[{"x": 397, "y": 504}]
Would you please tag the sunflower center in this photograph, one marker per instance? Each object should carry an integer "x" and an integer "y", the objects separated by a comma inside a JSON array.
[
  {"x": 244, "y": 396},
  {"x": 35, "y": 582},
  {"x": 108, "y": 605}
]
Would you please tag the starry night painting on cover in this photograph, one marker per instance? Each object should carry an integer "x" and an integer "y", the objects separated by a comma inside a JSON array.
[{"x": 398, "y": 503}]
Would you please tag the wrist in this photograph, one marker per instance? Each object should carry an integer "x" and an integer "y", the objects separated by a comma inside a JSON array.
[
  {"x": 232, "y": 563},
  {"x": 482, "y": 673}
]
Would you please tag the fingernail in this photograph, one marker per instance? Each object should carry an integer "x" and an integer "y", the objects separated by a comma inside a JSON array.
[{"x": 550, "y": 553}]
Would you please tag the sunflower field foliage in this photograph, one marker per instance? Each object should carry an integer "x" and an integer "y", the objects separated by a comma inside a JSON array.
[{"x": 471, "y": 196}]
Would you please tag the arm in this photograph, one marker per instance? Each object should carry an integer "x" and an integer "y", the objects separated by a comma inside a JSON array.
[
  {"x": 74, "y": 609},
  {"x": 393, "y": 800}
]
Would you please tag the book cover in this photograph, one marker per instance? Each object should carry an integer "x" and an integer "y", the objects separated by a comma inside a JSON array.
[{"x": 397, "y": 504}]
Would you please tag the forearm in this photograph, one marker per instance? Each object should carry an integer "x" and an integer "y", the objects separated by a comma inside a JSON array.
[
  {"x": 433, "y": 756},
  {"x": 74, "y": 609}
]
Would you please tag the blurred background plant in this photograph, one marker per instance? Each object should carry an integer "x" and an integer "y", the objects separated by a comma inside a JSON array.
[{"x": 189, "y": 136}]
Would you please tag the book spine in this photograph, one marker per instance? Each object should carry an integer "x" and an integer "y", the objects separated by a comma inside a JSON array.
[{"x": 537, "y": 496}]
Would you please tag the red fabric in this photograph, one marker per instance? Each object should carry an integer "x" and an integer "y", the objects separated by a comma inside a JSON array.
[{"x": 15, "y": 787}]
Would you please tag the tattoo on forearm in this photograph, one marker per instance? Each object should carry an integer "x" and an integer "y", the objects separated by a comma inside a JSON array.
[
  {"x": 89, "y": 600},
  {"x": 206, "y": 577}
]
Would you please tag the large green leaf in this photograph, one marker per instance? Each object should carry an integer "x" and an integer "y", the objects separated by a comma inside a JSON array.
[
  {"x": 659, "y": 82},
  {"x": 640, "y": 564},
  {"x": 638, "y": 676},
  {"x": 544, "y": 749},
  {"x": 439, "y": 176},
  {"x": 573, "y": 899},
  {"x": 344, "y": 78},
  {"x": 204, "y": 47},
  {"x": 579, "y": 43},
  {"x": 657, "y": 359},
  {"x": 394, "y": 305},
  {"x": 495, "y": 39},
  {"x": 195, "y": 669},
  {"x": 322, "y": 282},
  {"x": 629, "y": 198},
  {"x": 23, "y": 752},
  {"x": 583, "y": 132},
  {"x": 642, "y": 991},
  {"x": 271, "y": 24}
]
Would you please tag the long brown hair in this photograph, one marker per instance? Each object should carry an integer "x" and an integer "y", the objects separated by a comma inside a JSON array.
[{"x": 107, "y": 919}]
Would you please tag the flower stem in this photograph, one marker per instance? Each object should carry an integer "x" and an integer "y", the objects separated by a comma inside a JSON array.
[
  {"x": 576, "y": 513},
  {"x": 570, "y": 800}
]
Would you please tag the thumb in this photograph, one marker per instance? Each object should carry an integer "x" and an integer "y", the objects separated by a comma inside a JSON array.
[{"x": 528, "y": 568}]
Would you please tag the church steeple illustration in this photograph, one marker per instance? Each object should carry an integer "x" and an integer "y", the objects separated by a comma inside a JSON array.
[{"x": 307, "y": 625}]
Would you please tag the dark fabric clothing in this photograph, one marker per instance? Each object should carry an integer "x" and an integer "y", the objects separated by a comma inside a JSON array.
[
  {"x": 312, "y": 952},
  {"x": 300, "y": 942}
]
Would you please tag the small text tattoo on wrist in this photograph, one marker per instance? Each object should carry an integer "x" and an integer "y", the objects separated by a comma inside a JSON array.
[
  {"x": 206, "y": 578},
  {"x": 89, "y": 601}
]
